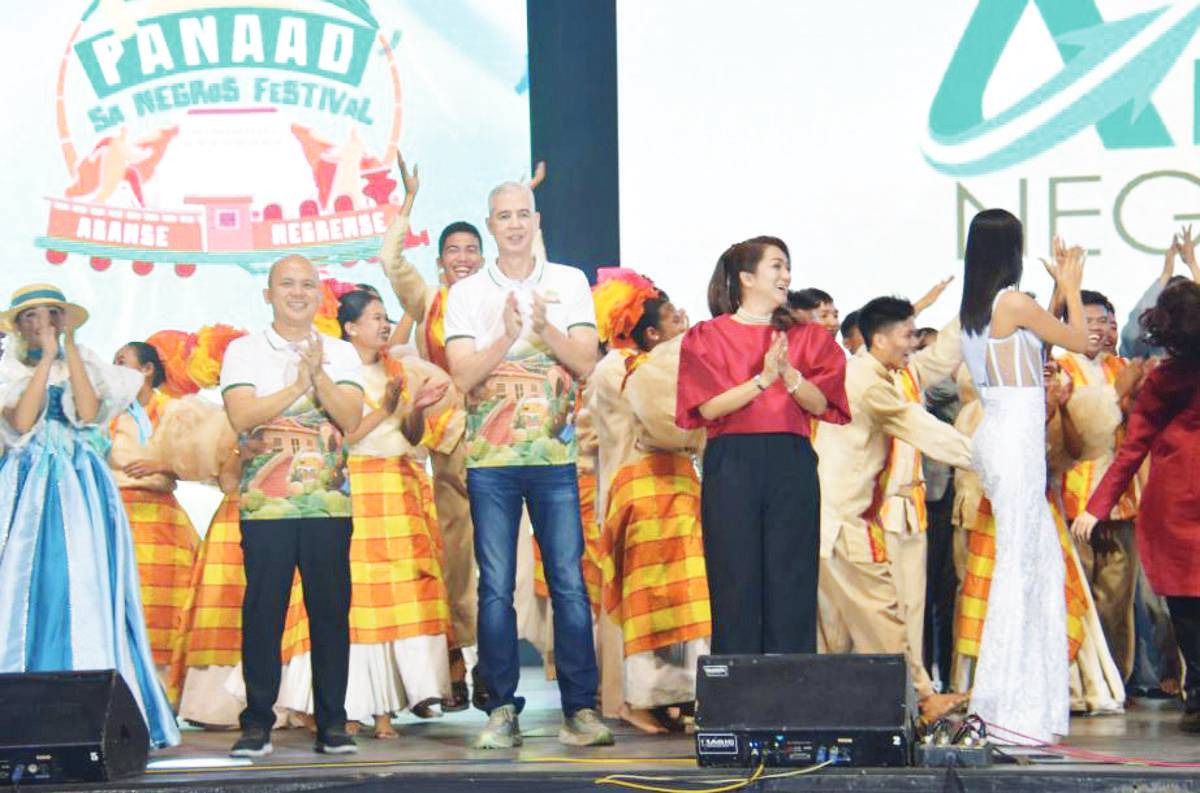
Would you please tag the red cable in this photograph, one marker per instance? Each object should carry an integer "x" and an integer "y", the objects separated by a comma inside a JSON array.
[{"x": 1098, "y": 757}]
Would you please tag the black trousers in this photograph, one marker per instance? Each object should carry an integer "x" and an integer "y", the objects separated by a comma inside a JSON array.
[
  {"x": 1185, "y": 619},
  {"x": 941, "y": 586},
  {"x": 761, "y": 515},
  {"x": 272, "y": 550}
]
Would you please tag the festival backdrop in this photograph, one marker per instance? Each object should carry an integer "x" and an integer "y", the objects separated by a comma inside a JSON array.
[
  {"x": 160, "y": 154},
  {"x": 867, "y": 134}
]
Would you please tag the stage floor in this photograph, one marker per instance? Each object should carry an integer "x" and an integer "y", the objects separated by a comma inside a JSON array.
[{"x": 436, "y": 755}]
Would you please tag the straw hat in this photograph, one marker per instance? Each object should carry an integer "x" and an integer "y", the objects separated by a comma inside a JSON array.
[{"x": 40, "y": 295}]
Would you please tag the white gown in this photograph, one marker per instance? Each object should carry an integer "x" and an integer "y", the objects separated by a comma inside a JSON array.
[{"x": 1022, "y": 679}]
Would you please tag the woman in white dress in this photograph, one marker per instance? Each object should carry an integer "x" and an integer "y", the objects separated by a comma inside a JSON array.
[{"x": 1021, "y": 684}]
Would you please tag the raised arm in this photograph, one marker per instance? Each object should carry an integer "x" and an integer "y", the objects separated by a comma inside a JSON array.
[
  {"x": 930, "y": 297},
  {"x": 1186, "y": 246},
  {"x": 1018, "y": 310},
  {"x": 406, "y": 282}
]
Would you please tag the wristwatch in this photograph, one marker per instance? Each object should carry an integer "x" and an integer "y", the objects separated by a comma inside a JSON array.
[{"x": 792, "y": 389}]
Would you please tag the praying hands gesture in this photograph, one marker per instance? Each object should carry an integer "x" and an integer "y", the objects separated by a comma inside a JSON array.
[
  {"x": 513, "y": 323},
  {"x": 774, "y": 360}
]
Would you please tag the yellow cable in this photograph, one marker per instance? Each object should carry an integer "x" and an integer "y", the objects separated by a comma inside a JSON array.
[
  {"x": 616, "y": 779},
  {"x": 627, "y": 780}
]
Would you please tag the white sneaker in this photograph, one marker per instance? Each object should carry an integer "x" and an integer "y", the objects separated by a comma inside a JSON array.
[
  {"x": 503, "y": 731},
  {"x": 584, "y": 728}
]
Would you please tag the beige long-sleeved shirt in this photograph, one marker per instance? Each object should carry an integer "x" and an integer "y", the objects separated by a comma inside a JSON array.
[
  {"x": 650, "y": 393},
  {"x": 899, "y": 514},
  {"x": 613, "y": 419},
  {"x": 852, "y": 456}
]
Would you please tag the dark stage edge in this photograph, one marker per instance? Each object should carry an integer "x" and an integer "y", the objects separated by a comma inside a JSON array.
[{"x": 435, "y": 756}]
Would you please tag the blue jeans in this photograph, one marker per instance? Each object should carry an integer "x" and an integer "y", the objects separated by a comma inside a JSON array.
[{"x": 552, "y": 495}]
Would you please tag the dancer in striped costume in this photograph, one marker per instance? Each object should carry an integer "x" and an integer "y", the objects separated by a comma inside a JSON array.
[
  {"x": 163, "y": 537},
  {"x": 655, "y": 584},
  {"x": 1110, "y": 558},
  {"x": 399, "y": 614}
]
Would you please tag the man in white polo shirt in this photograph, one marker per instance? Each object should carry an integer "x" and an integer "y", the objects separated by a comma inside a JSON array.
[
  {"x": 291, "y": 393},
  {"x": 518, "y": 334}
]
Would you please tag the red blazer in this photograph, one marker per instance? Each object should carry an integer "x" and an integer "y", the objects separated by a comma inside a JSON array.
[{"x": 1165, "y": 424}]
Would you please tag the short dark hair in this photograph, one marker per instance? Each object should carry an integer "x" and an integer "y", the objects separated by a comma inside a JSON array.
[
  {"x": 148, "y": 354},
  {"x": 992, "y": 262},
  {"x": 923, "y": 333},
  {"x": 651, "y": 317},
  {"x": 1091, "y": 298},
  {"x": 881, "y": 314},
  {"x": 849, "y": 324},
  {"x": 1174, "y": 322},
  {"x": 458, "y": 227},
  {"x": 352, "y": 305},
  {"x": 809, "y": 299}
]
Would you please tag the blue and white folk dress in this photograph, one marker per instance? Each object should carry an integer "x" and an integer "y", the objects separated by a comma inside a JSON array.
[{"x": 69, "y": 594}]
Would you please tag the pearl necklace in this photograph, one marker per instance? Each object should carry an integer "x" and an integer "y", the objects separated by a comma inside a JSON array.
[{"x": 752, "y": 319}]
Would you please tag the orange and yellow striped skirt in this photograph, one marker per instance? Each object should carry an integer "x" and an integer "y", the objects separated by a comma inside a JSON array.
[
  {"x": 165, "y": 543},
  {"x": 977, "y": 582},
  {"x": 210, "y": 620},
  {"x": 398, "y": 588},
  {"x": 653, "y": 554}
]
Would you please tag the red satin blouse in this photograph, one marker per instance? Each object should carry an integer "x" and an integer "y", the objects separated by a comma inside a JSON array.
[{"x": 721, "y": 353}]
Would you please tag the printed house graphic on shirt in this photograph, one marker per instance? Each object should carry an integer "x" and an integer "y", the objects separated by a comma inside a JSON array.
[
  {"x": 294, "y": 469},
  {"x": 524, "y": 414}
]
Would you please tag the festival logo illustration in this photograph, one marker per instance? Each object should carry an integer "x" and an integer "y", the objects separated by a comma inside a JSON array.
[
  {"x": 210, "y": 132},
  {"x": 1110, "y": 70}
]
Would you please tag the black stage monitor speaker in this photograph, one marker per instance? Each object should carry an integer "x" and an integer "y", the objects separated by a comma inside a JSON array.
[
  {"x": 69, "y": 727},
  {"x": 801, "y": 710}
]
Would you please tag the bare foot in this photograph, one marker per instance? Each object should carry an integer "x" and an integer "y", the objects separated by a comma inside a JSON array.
[
  {"x": 934, "y": 706},
  {"x": 1170, "y": 686},
  {"x": 305, "y": 720},
  {"x": 352, "y": 727},
  {"x": 383, "y": 726},
  {"x": 642, "y": 720}
]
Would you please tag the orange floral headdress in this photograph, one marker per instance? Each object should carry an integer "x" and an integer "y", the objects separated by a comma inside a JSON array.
[
  {"x": 620, "y": 296},
  {"x": 331, "y": 292},
  {"x": 193, "y": 360}
]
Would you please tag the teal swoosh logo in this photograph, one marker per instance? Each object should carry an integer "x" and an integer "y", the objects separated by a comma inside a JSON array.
[{"x": 956, "y": 118}]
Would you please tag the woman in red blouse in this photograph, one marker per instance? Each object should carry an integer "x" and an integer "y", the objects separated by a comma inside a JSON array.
[
  {"x": 755, "y": 380},
  {"x": 1166, "y": 425}
]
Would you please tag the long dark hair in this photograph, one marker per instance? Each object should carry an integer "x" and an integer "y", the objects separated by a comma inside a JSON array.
[
  {"x": 992, "y": 262},
  {"x": 148, "y": 354},
  {"x": 1174, "y": 322},
  {"x": 725, "y": 286},
  {"x": 352, "y": 305}
]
